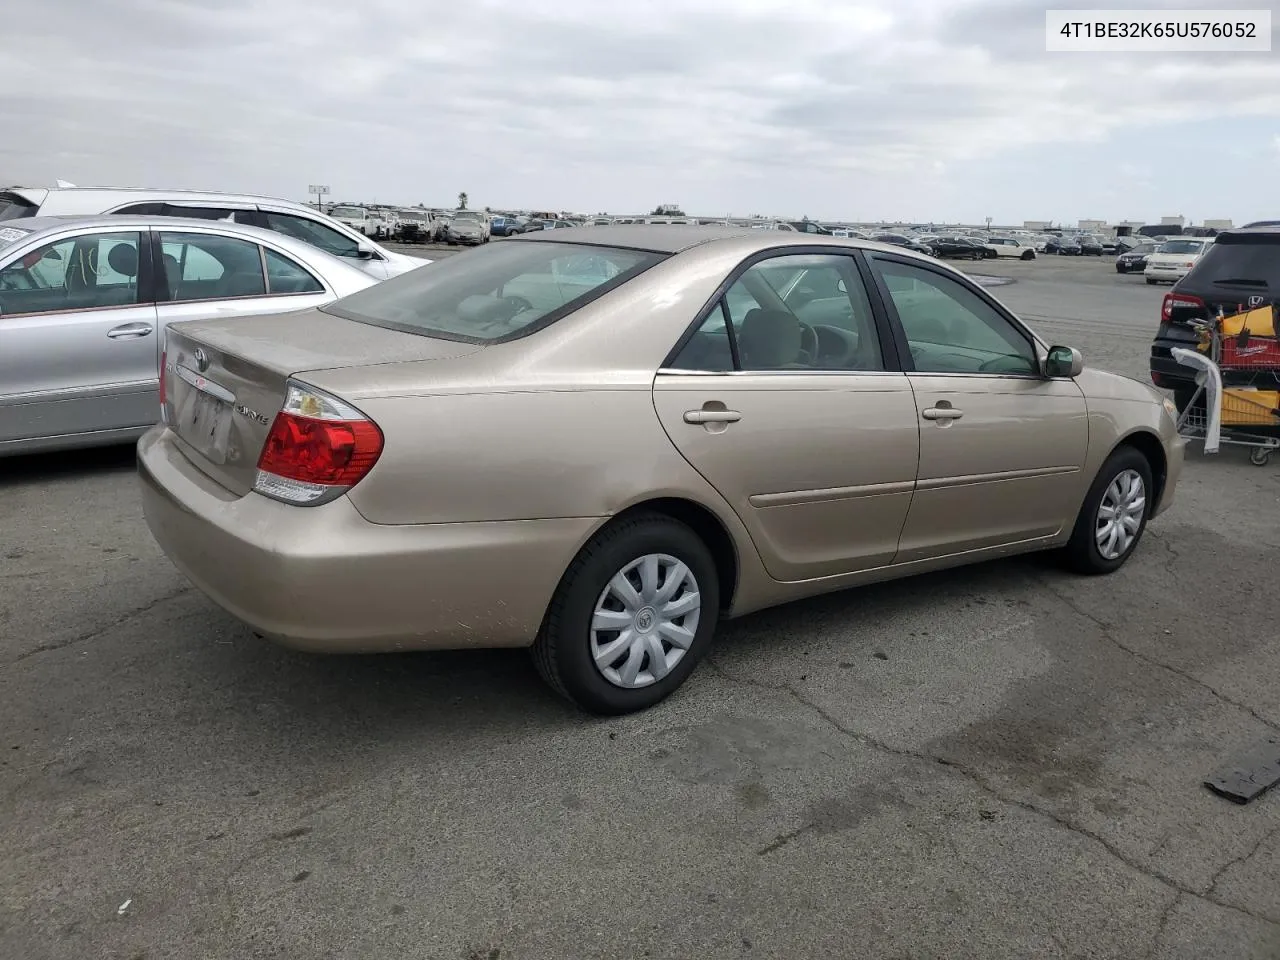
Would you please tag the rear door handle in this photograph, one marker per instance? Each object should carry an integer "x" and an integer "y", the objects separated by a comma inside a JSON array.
[
  {"x": 942, "y": 413},
  {"x": 712, "y": 416},
  {"x": 128, "y": 331}
]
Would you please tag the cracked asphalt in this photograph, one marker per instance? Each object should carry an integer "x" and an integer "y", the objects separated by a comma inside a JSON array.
[{"x": 1003, "y": 761}]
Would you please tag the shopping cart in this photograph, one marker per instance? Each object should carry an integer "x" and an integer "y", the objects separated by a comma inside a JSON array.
[{"x": 1237, "y": 383}]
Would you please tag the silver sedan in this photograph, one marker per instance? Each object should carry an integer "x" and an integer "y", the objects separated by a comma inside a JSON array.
[{"x": 84, "y": 303}]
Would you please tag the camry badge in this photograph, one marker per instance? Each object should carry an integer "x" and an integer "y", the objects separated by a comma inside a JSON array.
[{"x": 251, "y": 414}]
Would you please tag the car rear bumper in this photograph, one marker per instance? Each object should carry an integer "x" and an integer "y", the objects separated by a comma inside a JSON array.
[{"x": 325, "y": 579}]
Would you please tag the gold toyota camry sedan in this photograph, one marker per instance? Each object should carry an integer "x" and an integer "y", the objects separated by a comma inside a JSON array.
[{"x": 598, "y": 443}]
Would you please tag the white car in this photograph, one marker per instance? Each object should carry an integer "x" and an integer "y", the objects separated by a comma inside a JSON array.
[
  {"x": 1174, "y": 259},
  {"x": 369, "y": 223},
  {"x": 292, "y": 219},
  {"x": 1014, "y": 247}
]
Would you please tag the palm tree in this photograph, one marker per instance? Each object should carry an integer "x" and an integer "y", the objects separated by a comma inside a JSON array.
[{"x": 462, "y": 200}]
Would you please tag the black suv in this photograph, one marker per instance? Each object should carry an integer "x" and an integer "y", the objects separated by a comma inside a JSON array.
[{"x": 1239, "y": 271}]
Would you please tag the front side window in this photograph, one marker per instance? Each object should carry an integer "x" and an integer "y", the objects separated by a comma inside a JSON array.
[
  {"x": 950, "y": 328},
  {"x": 88, "y": 272},
  {"x": 313, "y": 232},
  {"x": 801, "y": 312},
  {"x": 208, "y": 267},
  {"x": 498, "y": 292}
]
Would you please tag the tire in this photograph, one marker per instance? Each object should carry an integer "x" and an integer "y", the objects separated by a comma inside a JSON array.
[
  {"x": 563, "y": 650},
  {"x": 1083, "y": 553},
  {"x": 1028, "y": 255},
  {"x": 1151, "y": 282}
]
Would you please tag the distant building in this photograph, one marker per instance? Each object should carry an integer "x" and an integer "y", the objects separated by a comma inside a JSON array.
[
  {"x": 1037, "y": 225},
  {"x": 1178, "y": 221},
  {"x": 1218, "y": 224},
  {"x": 1091, "y": 225}
]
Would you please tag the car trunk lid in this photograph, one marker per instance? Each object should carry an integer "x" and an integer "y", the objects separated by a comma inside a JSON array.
[{"x": 225, "y": 380}]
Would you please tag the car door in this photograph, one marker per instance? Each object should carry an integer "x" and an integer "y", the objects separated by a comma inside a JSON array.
[
  {"x": 1001, "y": 446},
  {"x": 77, "y": 336},
  {"x": 787, "y": 397},
  {"x": 203, "y": 275}
]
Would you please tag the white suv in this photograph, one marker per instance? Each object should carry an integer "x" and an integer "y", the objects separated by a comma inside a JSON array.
[{"x": 283, "y": 216}]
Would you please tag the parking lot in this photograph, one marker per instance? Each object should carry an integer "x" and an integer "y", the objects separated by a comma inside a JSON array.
[{"x": 1003, "y": 761}]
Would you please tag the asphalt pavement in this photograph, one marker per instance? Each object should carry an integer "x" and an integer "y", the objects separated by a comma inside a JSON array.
[{"x": 1003, "y": 761}]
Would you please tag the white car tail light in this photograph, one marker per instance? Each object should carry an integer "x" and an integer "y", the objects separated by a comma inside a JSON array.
[{"x": 318, "y": 448}]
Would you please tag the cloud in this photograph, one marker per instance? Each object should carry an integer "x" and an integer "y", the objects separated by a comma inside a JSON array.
[{"x": 785, "y": 105}]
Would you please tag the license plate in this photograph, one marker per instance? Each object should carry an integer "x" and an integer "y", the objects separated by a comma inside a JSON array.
[{"x": 205, "y": 423}]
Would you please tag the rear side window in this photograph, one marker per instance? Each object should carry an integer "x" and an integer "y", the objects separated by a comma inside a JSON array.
[
  {"x": 287, "y": 276},
  {"x": 206, "y": 267},
  {"x": 495, "y": 293},
  {"x": 1245, "y": 263}
]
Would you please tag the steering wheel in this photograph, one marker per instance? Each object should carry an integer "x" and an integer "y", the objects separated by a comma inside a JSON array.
[{"x": 809, "y": 344}]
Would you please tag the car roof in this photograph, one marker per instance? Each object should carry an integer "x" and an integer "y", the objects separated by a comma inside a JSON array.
[{"x": 656, "y": 238}]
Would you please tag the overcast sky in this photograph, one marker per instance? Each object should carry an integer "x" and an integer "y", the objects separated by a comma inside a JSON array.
[{"x": 835, "y": 109}]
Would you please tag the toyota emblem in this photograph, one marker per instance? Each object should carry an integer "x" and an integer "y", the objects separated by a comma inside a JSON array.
[{"x": 202, "y": 360}]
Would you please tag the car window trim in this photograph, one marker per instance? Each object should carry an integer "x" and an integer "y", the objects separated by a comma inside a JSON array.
[
  {"x": 746, "y": 264},
  {"x": 1038, "y": 347}
]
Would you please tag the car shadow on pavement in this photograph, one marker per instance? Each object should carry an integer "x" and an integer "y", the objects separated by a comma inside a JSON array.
[{"x": 67, "y": 464}]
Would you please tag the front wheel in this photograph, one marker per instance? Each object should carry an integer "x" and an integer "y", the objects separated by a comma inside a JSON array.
[
  {"x": 1113, "y": 516},
  {"x": 1029, "y": 255},
  {"x": 631, "y": 617}
]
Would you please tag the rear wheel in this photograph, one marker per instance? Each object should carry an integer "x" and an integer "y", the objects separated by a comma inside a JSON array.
[
  {"x": 632, "y": 616},
  {"x": 1113, "y": 516},
  {"x": 1151, "y": 282}
]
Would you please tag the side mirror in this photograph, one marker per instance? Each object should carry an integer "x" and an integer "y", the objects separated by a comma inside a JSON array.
[
  {"x": 364, "y": 251},
  {"x": 1063, "y": 362}
]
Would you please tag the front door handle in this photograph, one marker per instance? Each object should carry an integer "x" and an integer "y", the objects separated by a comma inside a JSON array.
[
  {"x": 127, "y": 331},
  {"x": 712, "y": 416},
  {"x": 942, "y": 413}
]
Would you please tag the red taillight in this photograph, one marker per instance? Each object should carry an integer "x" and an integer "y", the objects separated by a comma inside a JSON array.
[
  {"x": 1174, "y": 301},
  {"x": 317, "y": 448},
  {"x": 332, "y": 453}
]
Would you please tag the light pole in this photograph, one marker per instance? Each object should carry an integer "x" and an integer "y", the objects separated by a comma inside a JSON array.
[{"x": 988, "y": 224}]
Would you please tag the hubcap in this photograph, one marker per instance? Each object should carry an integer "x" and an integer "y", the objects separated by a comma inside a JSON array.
[
  {"x": 1120, "y": 514},
  {"x": 645, "y": 621}
]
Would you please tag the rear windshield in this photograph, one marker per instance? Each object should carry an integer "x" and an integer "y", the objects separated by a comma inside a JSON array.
[
  {"x": 1182, "y": 246},
  {"x": 14, "y": 207},
  {"x": 498, "y": 292},
  {"x": 1231, "y": 263}
]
